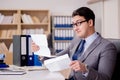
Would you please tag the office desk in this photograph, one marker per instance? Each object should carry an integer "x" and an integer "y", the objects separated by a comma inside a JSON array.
[{"x": 34, "y": 75}]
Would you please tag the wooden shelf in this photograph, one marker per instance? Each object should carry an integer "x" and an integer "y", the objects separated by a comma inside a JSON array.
[{"x": 12, "y": 23}]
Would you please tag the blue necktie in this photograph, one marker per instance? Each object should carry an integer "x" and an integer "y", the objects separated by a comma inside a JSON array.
[{"x": 79, "y": 50}]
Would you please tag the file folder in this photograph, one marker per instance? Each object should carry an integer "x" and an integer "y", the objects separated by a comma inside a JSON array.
[
  {"x": 23, "y": 50},
  {"x": 19, "y": 50},
  {"x": 30, "y": 55},
  {"x": 16, "y": 50}
]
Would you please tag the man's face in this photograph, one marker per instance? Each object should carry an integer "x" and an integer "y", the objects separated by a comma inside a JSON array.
[{"x": 80, "y": 26}]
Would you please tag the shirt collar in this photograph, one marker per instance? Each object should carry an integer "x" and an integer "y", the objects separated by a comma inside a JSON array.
[{"x": 91, "y": 38}]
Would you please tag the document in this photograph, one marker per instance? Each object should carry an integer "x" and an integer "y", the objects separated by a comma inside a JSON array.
[
  {"x": 41, "y": 41},
  {"x": 28, "y": 68},
  {"x": 11, "y": 71},
  {"x": 58, "y": 63}
]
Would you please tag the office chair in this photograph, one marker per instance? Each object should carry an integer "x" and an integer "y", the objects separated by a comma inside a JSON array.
[{"x": 116, "y": 74}]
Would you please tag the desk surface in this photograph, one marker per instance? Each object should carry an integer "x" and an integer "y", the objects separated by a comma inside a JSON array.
[{"x": 34, "y": 75}]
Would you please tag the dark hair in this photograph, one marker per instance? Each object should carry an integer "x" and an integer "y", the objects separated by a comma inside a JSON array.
[{"x": 86, "y": 12}]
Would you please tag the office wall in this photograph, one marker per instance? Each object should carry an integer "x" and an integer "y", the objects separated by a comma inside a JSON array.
[
  {"x": 111, "y": 20},
  {"x": 108, "y": 18},
  {"x": 55, "y": 6}
]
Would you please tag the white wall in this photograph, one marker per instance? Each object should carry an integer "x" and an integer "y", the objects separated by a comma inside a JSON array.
[
  {"x": 111, "y": 21},
  {"x": 108, "y": 17},
  {"x": 64, "y": 7}
]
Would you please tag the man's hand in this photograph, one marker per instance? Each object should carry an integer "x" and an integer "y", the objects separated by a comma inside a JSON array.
[
  {"x": 78, "y": 66},
  {"x": 34, "y": 47}
]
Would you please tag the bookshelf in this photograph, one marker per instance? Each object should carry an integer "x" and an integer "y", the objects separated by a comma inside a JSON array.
[
  {"x": 62, "y": 32},
  {"x": 21, "y": 22},
  {"x": 40, "y": 21}
]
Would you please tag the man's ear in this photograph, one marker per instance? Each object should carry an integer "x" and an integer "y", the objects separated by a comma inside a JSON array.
[{"x": 90, "y": 22}]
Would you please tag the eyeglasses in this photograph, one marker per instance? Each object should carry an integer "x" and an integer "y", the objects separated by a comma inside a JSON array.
[{"x": 78, "y": 23}]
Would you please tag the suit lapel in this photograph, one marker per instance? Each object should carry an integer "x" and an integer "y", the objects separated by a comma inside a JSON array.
[{"x": 90, "y": 49}]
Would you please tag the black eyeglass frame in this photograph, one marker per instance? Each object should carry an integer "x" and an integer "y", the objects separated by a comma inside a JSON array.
[{"x": 78, "y": 23}]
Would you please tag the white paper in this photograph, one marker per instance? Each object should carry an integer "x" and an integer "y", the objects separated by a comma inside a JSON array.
[
  {"x": 58, "y": 63},
  {"x": 11, "y": 71},
  {"x": 41, "y": 41}
]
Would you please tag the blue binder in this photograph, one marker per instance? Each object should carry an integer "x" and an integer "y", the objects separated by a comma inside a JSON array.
[
  {"x": 30, "y": 55},
  {"x": 37, "y": 61}
]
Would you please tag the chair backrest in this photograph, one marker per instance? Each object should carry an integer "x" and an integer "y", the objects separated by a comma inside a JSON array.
[{"x": 116, "y": 74}]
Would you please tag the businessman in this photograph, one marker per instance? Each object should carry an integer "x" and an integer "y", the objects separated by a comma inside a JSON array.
[{"x": 93, "y": 57}]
